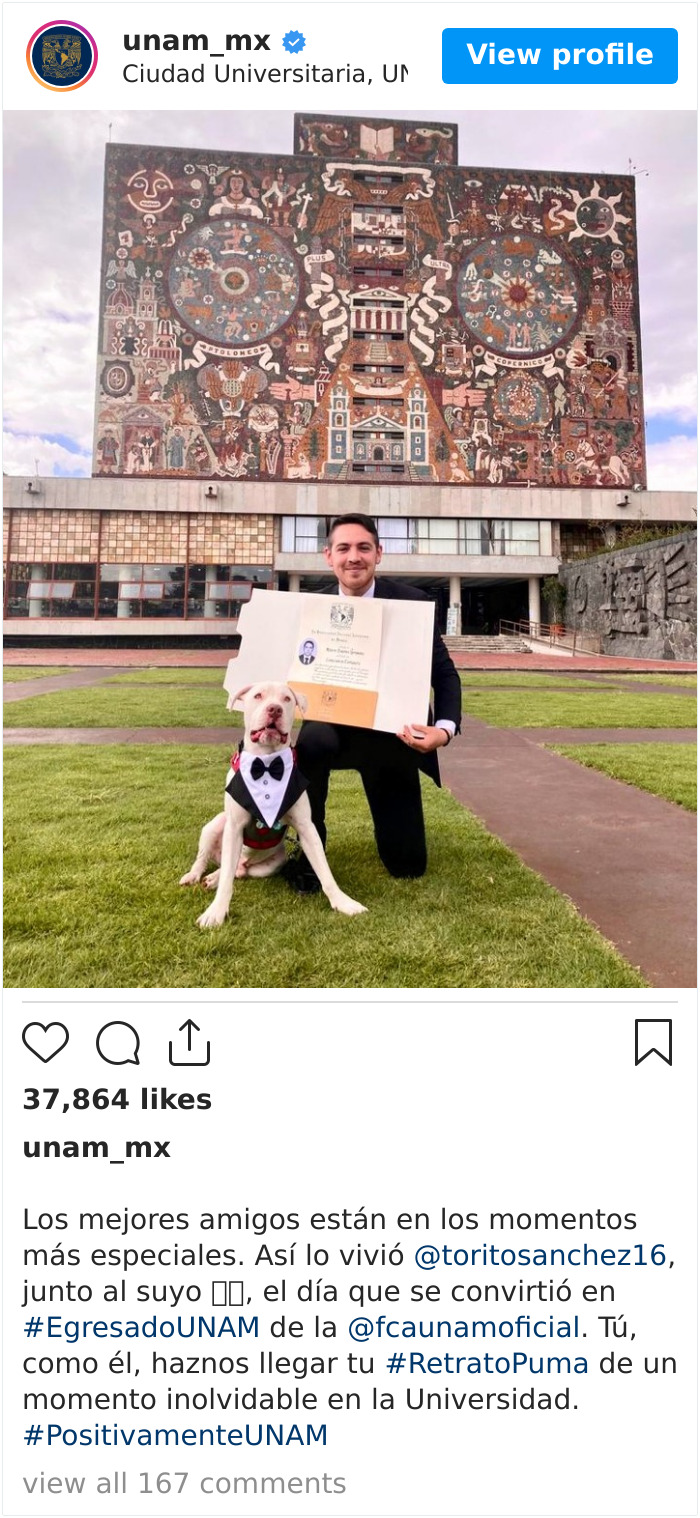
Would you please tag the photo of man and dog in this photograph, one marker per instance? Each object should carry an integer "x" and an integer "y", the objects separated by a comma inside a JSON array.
[{"x": 362, "y": 578}]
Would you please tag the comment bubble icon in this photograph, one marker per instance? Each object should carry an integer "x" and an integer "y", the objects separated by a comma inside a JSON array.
[{"x": 118, "y": 1044}]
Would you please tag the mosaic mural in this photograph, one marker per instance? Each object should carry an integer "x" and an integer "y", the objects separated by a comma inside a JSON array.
[
  {"x": 367, "y": 309},
  {"x": 376, "y": 140}
]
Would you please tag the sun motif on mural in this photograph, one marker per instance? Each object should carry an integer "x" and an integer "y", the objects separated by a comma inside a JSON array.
[
  {"x": 518, "y": 295},
  {"x": 238, "y": 286},
  {"x": 595, "y": 215}
]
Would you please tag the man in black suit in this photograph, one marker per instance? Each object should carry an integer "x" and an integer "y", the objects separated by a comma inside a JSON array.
[{"x": 388, "y": 765}]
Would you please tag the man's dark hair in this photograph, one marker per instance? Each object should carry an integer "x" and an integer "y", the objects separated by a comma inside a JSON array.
[{"x": 359, "y": 520}]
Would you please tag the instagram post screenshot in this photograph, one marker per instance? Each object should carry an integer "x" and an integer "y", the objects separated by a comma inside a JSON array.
[
  {"x": 349, "y": 1030},
  {"x": 350, "y": 524}
]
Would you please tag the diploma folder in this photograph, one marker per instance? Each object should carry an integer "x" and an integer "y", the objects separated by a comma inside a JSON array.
[{"x": 269, "y": 628}]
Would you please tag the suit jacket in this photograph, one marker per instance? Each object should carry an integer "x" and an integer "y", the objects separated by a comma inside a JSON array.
[{"x": 444, "y": 679}]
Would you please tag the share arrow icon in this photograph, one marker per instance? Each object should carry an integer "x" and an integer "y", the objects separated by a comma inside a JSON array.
[{"x": 189, "y": 1027}]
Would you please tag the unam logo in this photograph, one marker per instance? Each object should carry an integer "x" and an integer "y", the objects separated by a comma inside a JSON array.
[{"x": 62, "y": 56}]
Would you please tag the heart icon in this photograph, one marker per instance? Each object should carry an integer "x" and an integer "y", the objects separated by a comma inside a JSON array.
[{"x": 46, "y": 1040}]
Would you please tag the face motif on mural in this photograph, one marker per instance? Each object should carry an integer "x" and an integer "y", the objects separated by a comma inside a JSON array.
[
  {"x": 150, "y": 190},
  {"x": 595, "y": 215}
]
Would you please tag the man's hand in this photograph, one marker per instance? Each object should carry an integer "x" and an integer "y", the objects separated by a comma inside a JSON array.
[{"x": 423, "y": 739}]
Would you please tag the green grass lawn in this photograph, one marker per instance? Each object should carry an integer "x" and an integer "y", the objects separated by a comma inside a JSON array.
[
  {"x": 531, "y": 679},
  {"x": 139, "y": 705},
  {"x": 666, "y": 769},
  {"x": 189, "y": 705},
  {"x": 13, "y": 673},
  {"x": 97, "y": 838},
  {"x": 599, "y": 708}
]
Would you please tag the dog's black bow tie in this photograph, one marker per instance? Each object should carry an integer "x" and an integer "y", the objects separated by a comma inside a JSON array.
[{"x": 275, "y": 768}]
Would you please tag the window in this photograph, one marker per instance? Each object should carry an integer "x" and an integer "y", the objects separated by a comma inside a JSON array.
[
  {"x": 219, "y": 590},
  {"x": 305, "y": 534},
  {"x": 142, "y": 590},
  {"x": 396, "y": 534},
  {"x": 474, "y": 536},
  {"x": 515, "y": 537},
  {"x": 437, "y": 534},
  {"x": 51, "y": 590}
]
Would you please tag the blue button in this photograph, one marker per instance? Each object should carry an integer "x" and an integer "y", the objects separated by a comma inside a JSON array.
[{"x": 560, "y": 55}]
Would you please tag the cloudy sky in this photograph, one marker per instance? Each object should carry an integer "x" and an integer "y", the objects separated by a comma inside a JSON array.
[{"x": 54, "y": 163}]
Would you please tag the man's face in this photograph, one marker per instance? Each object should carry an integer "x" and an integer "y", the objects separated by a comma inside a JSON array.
[{"x": 353, "y": 556}]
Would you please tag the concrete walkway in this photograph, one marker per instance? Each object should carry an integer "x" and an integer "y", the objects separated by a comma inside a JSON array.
[
  {"x": 574, "y": 735},
  {"x": 625, "y": 858},
  {"x": 47, "y": 685},
  {"x": 18, "y": 737}
]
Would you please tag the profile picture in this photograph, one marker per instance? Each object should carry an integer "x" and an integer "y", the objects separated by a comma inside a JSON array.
[{"x": 307, "y": 651}]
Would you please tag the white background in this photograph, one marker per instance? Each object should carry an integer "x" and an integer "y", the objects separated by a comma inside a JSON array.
[
  {"x": 530, "y": 1103},
  {"x": 395, "y": 1103},
  {"x": 362, "y": 34}
]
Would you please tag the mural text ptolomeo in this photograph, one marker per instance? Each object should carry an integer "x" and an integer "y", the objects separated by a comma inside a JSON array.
[{"x": 367, "y": 310}]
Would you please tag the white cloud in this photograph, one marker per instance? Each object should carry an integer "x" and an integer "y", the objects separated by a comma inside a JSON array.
[
  {"x": 21, "y": 453},
  {"x": 672, "y": 465},
  {"x": 676, "y": 397},
  {"x": 54, "y": 163}
]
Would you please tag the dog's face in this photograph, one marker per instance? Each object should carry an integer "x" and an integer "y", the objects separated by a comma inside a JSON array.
[{"x": 268, "y": 711}]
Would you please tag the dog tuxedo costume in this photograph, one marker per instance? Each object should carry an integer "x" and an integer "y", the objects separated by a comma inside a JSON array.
[{"x": 266, "y": 788}]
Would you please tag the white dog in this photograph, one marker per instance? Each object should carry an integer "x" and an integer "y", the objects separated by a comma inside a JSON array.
[{"x": 264, "y": 793}]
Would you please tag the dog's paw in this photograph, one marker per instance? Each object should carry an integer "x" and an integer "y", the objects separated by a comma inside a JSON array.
[
  {"x": 212, "y": 918},
  {"x": 212, "y": 881},
  {"x": 346, "y": 905},
  {"x": 191, "y": 878}
]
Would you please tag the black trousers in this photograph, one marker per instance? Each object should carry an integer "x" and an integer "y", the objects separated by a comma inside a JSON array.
[{"x": 390, "y": 776}]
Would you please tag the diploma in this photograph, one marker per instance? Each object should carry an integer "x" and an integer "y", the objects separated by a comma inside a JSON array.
[
  {"x": 379, "y": 680},
  {"x": 336, "y": 658}
]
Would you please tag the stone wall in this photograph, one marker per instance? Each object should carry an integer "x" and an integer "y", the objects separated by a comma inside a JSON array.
[{"x": 642, "y": 601}]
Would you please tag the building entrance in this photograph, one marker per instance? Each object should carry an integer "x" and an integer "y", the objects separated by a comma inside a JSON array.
[{"x": 484, "y": 606}]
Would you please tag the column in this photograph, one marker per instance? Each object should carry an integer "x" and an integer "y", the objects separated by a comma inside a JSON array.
[
  {"x": 455, "y": 620},
  {"x": 533, "y": 595},
  {"x": 294, "y": 581},
  {"x": 35, "y": 605},
  {"x": 124, "y": 606},
  {"x": 210, "y": 603}
]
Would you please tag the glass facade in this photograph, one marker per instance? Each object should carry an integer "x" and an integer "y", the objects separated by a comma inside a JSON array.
[
  {"x": 215, "y": 592},
  {"x": 219, "y": 590},
  {"x": 125, "y": 591},
  {"x": 303, "y": 534},
  {"x": 424, "y": 535},
  {"x": 51, "y": 590},
  {"x": 141, "y": 590}
]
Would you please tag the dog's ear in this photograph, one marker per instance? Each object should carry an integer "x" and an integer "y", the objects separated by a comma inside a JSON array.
[
  {"x": 300, "y": 699},
  {"x": 238, "y": 697}
]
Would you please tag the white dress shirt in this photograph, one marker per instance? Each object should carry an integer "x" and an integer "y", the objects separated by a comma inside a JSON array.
[{"x": 368, "y": 595}]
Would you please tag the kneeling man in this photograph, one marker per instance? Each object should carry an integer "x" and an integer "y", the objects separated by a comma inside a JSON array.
[{"x": 388, "y": 765}]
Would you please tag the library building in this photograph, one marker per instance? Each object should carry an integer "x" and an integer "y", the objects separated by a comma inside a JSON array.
[{"x": 361, "y": 325}]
